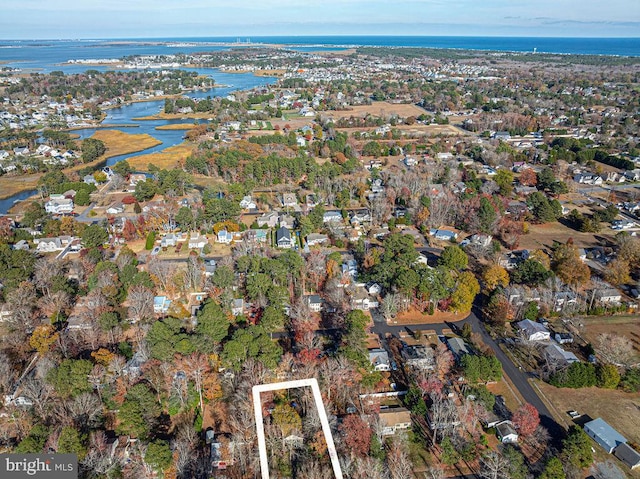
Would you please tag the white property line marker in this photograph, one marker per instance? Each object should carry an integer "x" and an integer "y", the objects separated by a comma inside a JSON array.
[{"x": 322, "y": 413}]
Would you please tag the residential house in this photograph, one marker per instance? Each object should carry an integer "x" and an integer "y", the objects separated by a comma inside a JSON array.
[
  {"x": 169, "y": 240},
  {"x": 115, "y": 209},
  {"x": 89, "y": 180},
  {"x": 6, "y": 313},
  {"x": 608, "y": 296},
  {"x": 135, "y": 178},
  {"x": 225, "y": 237},
  {"x": 21, "y": 245},
  {"x": 502, "y": 135},
  {"x": 362, "y": 301},
  {"x": 289, "y": 200},
  {"x": 316, "y": 239},
  {"x": 314, "y": 302},
  {"x": 379, "y": 359},
  {"x": 350, "y": 267},
  {"x": 588, "y": 179},
  {"x": 482, "y": 240},
  {"x": 419, "y": 357},
  {"x": 59, "y": 206},
  {"x": 287, "y": 221},
  {"x": 256, "y": 236},
  {"x": 161, "y": 304},
  {"x": 533, "y": 331},
  {"x": 197, "y": 241},
  {"x": 394, "y": 419},
  {"x": 458, "y": 347},
  {"x": 443, "y": 235},
  {"x": 506, "y": 432},
  {"x": 48, "y": 245},
  {"x": 628, "y": 455},
  {"x": 563, "y": 299},
  {"x": 360, "y": 217},
  {"x": 558, "y": 357},
  {"x": 247, "y": 203},
  {"x": 332, "y": 217},
  {"x": 410, "y": 161},
  {"x": 312, "y": 200},
  {"x": 604, "y": 434},
  {"x": 210, "y": 268},
  {"x": 284, "y": 239},
  {"x": 237, "y": 307},
  {"x": 563, "y": 338},
  {"x": 268, "y": 219},
  {"x": 373, "y": 288}
]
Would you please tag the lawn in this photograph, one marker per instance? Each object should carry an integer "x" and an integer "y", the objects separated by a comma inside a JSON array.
[{"x": 543, "y": 236}]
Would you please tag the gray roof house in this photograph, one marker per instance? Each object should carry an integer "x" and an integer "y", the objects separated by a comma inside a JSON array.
[
  {"x": 379, "y": 359},
  {"x": 457, "y": 347},
  {"x": 283, "y": 238},
  {"x": 533, "y": 331},
  {"x": 604, "y": 434},
  {"x": 506, "y": 432},
  {"x": 558, "y": 356}
]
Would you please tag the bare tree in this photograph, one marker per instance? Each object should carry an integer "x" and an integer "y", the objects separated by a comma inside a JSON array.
[
  {"x": 162, "y": 271},
  {"x": 398, "y": 461},
  {"x": 140, "y": 302},
  {"x": 494, "y": 466},
  {"x": 615, "y": 349},
  {"x": 7, "y": 374}
]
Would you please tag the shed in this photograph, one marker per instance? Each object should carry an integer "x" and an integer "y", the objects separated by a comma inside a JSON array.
[
  {"x": 628, "y": 455},
  {"x": 604, "y": 434}
]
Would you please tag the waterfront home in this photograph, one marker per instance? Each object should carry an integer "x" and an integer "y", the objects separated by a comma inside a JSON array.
[{"x": 59, "y": 206}]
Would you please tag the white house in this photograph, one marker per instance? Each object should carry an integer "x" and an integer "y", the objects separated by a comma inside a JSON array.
[
  {"x": 533, "y": 331},
  {"x": 247, "y": 203},
  {"x": 506, "y": 432},
  {"x": 314, "y": 302},
  {"x": 59, "y": 206},
  {"x": 444, "y": 235},
  {"x": 225, "y": 237},
  {"x": 317, "y": 238},
  {"x": 332, "y": 217},
  {"x": 197, "y": 241},
  {"x": 394, "y": 419},
  {"x": 379, "y": 359},
  {"x": 48, "y": 245},
  {"x": 289, "y": 200},
  {"x": 161, "y": 304},
  {"x": 115, "y": 209},
  {"x": 237, "y": 307}
]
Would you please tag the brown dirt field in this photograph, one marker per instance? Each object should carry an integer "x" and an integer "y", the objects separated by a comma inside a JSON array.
[
  {"x": 416, "y": 317},
  {"x": 627, "y": 326},
  {"x": 621, "y": 410},
  {"x": 543, "y": 236},
  {"x": 165, "y": 159},
  {"x": 511, "y": 397},
  {"x": 378, "y": 108}
]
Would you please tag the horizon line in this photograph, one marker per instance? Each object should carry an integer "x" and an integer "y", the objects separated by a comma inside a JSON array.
[{"x": 327, "y": 35}]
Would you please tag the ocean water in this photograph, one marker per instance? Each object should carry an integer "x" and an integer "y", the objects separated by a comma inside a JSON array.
[{"x": 48, "y": 55}]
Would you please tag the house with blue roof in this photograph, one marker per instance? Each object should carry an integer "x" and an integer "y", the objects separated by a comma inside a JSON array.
[{"x": 604, "y": 434}]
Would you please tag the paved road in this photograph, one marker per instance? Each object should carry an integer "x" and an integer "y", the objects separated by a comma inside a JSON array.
[{"x": 518, "y": 378}]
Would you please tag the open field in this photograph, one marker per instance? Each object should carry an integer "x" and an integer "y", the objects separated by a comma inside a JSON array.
[
  {"x": 121, "y": 143},
  {"x": 627, "y": 326},
  {"x": 176, "y": 126},
  {"x": 165, "y": 159},
  {"x": 378, "y": 108},
  {"x": 10, "y": 185},
  {"x": 543, "y": 236},
  {"x": 621, "y": 410},
  {"x": 416, "y": 317}
]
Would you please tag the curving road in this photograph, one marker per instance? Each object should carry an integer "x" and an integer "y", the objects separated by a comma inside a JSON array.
[{"x": 519, "y": 378}]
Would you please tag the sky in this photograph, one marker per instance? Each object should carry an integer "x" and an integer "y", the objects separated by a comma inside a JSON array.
[{"x": 72, "y": 19}]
